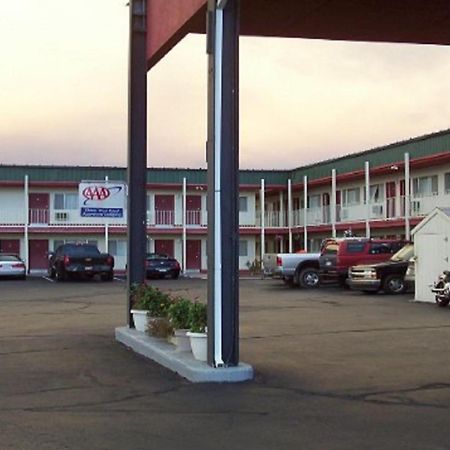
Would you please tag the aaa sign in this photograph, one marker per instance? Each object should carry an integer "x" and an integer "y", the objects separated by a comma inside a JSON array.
[{"x": 101, "y": 199}]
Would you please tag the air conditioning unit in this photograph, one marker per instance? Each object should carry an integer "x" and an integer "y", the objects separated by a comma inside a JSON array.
[
  {"x": 61, "y": 216},
  {"x": 377, "y": 210}
]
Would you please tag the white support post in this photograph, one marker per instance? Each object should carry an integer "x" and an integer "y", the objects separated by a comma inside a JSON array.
[
  {"x": 290, "y": 214},
  {"x": 333, "y": 203},
  {"x": 407, "y": 198},
  {"x": 367, "y": 187},
  {"x": 184, "y": 212},
  {"x": 263, "y": 214},
  {"x": 26, "y": 256},
  {"x": 305, "y": 213}
]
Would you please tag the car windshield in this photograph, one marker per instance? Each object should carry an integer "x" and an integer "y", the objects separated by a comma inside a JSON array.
[
  {"x": 9, "y": 258},
  {"x": 156, "y": 256},
  {"x": 404, "y": 254}
]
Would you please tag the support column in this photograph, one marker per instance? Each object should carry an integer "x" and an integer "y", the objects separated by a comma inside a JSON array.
[
  {"x": 184, "y": 212},
  {"x": 367, "y": 187},
  {"x": 281, "y": 221},
  {"x": 137, "y": 148},
  {"x": 26, "y": 253},
  {"x": 290, "y": 214},
  {"x": 333, "y": 203},
  {"x": 305, "y": 213},
  {"x": 106, "y": 228},
  {"x": 407, "y": 198},
  {"x": 262, "y": 201},
  {"x": 223, "y": 182}
]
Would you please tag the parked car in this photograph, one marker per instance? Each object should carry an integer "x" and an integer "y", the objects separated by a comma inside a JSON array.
[
  {"x": 11, "y": 266},
  {"x": 80, "y": 259},
  {"x": 338, "y": 255},
  {"x": 388, "y": 276},
  {"x": 161, "y": 266},
  {"x": 297, "y": 269}
]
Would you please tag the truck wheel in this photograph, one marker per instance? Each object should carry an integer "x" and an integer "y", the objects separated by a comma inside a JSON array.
[
  {"x": 51, "y": 272},
  {"x": 107, "y": 277},
  {"x": 394, "y": 284},
  {"x": 61, "y": 275},
  {"x": 308, "y": 278}
]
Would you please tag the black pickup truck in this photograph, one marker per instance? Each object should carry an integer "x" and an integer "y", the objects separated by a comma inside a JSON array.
[{"x": 84, "y": 260}]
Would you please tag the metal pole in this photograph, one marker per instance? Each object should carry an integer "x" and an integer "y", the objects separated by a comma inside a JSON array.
[
  {"x": 137, "y": 148},
  {"x": 183, "y": 259},
  {"x": 407, "y": 198},
  {"x": 290, "y": 214},
  {"x": 333, "y": 203},
  {"x": 263, "y": 219},
  {"x": 26, "y": 224},
  {"x": 305, "y": 216},
  {"x": 223, "y": 183},
  {"x": 106, "y": 229},
  {"x": 367, "y": 176}
]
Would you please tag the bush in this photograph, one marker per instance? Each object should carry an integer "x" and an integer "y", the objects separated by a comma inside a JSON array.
[
  {"x": 178, "y": 313},
  {"x": 198, "y": 317},
  {"x": 148, "y": 298}
]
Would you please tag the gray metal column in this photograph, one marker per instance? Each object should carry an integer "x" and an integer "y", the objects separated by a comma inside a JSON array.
[
  {"x": 137, "y": 148},
  {"x": 223, "y": 182}
]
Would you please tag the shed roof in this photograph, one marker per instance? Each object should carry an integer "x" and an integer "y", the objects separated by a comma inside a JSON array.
[{"x": 441, "y": 212}]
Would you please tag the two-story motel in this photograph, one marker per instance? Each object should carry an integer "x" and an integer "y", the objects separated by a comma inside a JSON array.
[{"x": 380, "y": 192}]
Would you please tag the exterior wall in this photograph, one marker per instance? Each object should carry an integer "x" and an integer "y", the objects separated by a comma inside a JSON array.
[{"x": 12, "y": 206}]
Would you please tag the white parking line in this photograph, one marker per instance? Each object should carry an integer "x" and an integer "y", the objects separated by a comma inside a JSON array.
[
  {"x": 119, "y": 279},
  {"x": 48, "y": 279}
]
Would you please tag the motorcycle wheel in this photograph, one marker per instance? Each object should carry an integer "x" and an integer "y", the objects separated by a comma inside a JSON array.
[{"x": 442, "y": 302}]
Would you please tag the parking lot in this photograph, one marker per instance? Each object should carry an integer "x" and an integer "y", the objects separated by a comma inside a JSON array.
[{"x": 335, "y": 369}]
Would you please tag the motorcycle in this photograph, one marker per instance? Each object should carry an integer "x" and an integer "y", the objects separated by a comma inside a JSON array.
[{"x": 441, "y": 289}]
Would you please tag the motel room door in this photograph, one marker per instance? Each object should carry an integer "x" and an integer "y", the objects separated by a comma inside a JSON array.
[
  {"x": 164, "y": 247},
  {"x": 39, "y": 205},
  {"x": 38, "y": 255},
  {"x": 193, "y": 209},
  {"x": 193, "y": 254},
  {"x": 10, "y": 246}
]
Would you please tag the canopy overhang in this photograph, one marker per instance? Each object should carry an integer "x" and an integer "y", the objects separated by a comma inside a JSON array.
[{"x": 406, "y": 21}]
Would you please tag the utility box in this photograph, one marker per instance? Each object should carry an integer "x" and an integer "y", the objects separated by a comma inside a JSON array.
[{"x": 432, "y": 251}]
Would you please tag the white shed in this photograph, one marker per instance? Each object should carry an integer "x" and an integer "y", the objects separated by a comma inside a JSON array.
[{"x": 432, "y": 251}]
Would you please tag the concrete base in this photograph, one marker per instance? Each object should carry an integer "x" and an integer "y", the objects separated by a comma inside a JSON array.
[{"x": 182, "y": 363}]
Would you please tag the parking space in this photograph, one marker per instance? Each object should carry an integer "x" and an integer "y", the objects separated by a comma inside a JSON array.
[{"x": 335, "y": 369}]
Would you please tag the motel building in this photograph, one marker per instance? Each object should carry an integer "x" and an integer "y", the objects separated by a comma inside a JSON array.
[{"x": 382, "y": 192}]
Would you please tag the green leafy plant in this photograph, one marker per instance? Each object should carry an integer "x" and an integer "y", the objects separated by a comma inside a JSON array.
[
  {"x": 198, "y": 315},
  {"x": 148, "y": 298},
  {"x": 178, "y": 313}
]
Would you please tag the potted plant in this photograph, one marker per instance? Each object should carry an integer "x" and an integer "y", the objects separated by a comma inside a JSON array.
[
  {"x": 197, "y": 333},
  {"x": 147, "y": 303},
  {"x": 178, "y": 315}
]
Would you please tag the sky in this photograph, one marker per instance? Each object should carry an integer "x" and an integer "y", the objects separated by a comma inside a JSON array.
[{"x": 63, "y": 92}]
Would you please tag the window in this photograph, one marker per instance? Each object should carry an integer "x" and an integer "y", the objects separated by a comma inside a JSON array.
[
  {"x": 351, "y": 196},
  {"x": 117, "y": 247},
  {"x": 355, "y": 247},
  {"x": 243, "y": 204},
  {"x": 243, "y": 248},
  {"x": 148, "y": 202},
  {"x": 447, "y": 183},
  {"x": 314, "y": 201},
  {"x": 376, "y": 193},
  {"x": 380, "y": 249},
  {"x": 425, "y": 186},
  {"x": 66, "y": 201}
]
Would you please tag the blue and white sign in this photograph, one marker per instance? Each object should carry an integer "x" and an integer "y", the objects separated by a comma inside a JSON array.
[{"x": 101, "y": 199}]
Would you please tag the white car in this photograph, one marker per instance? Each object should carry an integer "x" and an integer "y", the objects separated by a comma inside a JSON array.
[{"x": 12, "y": 266}]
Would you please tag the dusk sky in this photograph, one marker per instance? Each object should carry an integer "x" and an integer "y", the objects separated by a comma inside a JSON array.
[{"x": 63, "y": 97}]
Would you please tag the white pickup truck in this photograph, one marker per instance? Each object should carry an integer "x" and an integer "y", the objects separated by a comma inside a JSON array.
[{"x": 297, "y": 269}]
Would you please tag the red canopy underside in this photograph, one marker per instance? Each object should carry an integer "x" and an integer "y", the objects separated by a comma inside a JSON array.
[{"x": 409, "y": 21}]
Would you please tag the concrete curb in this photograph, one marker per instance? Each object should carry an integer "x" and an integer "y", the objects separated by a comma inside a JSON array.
[{"x": 182, "y": 363}]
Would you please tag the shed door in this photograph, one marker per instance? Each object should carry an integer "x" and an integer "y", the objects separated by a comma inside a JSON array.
[{"x": 431, "y": 262}]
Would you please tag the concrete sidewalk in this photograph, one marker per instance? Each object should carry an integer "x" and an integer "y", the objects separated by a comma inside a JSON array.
[{"x": 334, "y": 370}]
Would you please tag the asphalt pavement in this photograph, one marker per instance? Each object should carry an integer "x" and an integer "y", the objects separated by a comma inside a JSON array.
[{"x": 335, "y": 369}]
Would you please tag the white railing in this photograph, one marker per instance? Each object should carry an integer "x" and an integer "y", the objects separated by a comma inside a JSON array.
[
  {"x": 164, "y": 218},
  {"x": 38, "y": 216},
  {"x": 193, "y": 217}
]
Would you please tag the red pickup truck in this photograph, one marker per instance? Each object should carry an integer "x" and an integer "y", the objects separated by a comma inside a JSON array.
[{"x": 338, "y": 255}]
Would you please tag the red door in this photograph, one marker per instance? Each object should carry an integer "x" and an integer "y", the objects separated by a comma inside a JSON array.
[
  {"x": 38, "y": 254},
  {"x": 193, "y": 209},
  {"x": 164, "y": 209},
  {"x": 326, "y": 207},
  {"x": 10, "y": 246},
  {"x": 39, "y": 204},
  {"x": 338, "y": 206},
  {"x": 402, "y": 198},
  {"x": 193, "y": 254},
  {"x": 164, "y": 247},
  {"x": 390, "y": 199}
]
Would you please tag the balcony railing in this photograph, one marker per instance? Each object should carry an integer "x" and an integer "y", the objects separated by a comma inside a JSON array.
[{"x": 387, "y": 209}]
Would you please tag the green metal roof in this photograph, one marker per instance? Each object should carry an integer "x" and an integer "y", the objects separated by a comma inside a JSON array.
[{"x": 417, "y": 147}]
